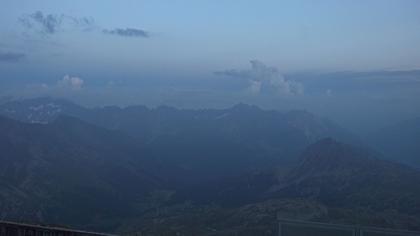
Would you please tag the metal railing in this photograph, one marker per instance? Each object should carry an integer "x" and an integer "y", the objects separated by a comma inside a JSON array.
[
  {"x": 20, "y": 229},
  {"x": 305, "y": 228}
]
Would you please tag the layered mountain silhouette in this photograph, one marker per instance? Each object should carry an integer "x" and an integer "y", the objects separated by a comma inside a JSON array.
[
  {"x": 70, "y": 171},
  {"x": 334, "y": 182},
  {"x": 131, "y": 167},
  {"x": 212, "y": 142}
]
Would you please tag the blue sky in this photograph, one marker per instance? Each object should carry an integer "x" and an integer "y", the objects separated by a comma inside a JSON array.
[
  {"x": 154, "y": 52},
  {"x": 208, "y": 35}
]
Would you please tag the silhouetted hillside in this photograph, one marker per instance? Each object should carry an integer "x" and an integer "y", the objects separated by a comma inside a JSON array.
[
  {"x": 399, "y": 142},
  {"x": 70, "y": 172},
  {"x": 341, "y": 176}
]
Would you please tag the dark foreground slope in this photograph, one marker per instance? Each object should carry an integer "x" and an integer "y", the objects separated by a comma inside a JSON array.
[{"x": 70, "y": 172}]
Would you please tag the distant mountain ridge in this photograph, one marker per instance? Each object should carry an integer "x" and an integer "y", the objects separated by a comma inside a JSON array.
[
  {"x": 243, "y": 137},
  {"x": 40, "y": 110},
  {"x": 169, "y": 120},
  {"x": 45, "y": 110}
]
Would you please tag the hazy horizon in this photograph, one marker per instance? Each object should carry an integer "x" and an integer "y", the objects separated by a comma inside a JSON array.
[{"x": 356, "y": 62}]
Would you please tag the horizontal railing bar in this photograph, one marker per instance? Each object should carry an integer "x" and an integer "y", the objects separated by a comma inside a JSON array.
[
  {"x": 51, "y": 228},
  {"x": 346, "y": 227},
  {"x": 301, "y": 222}
]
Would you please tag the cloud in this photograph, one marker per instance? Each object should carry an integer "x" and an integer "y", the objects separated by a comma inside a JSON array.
[
  {"x": 84, "y": 23},
  {"x": 11, "y": 56},
  {"x": 255, "y": 86},
  {"x": 74, "y": 83},
  {"x": 263, "y": 78},
  {"x": 48, "y": 24},
  {"x": 128, "y": 32}
]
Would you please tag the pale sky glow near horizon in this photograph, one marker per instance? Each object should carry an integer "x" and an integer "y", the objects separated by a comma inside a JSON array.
[{"x": 197, "y": 53}]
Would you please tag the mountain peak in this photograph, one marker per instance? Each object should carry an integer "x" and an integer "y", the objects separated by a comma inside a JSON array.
[
  {"x": 39, "y": 110},
  {"x": 329, "y": 157},
  {"x": 338, "y": 174}
]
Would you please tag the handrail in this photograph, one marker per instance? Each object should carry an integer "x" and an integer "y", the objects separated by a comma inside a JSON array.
[
  {"x": 357, "y": 229},
  {"x": 51, "y": 228}
]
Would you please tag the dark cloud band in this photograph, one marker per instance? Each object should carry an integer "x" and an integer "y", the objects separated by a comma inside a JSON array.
[
  {"x": 128, "y": 32},
  {"x": 49, "y": 24},
  {"x": 11, "y": 56},
  {"x": 46, "y": 24}
]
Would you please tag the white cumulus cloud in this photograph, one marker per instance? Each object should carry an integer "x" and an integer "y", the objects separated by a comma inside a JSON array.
[
  {"x": 71, "y": 82},
  {"x": 264, "y": 78}
]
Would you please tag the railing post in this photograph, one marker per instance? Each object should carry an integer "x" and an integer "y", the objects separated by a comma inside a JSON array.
[
  {"x": 280, "y": 229},
  {"x": 358, "y": 231}
]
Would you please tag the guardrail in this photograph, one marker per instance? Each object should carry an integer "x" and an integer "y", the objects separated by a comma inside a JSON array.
[
  {"x": 305, "y": 228},
  {"x": 20, "y": 229}
]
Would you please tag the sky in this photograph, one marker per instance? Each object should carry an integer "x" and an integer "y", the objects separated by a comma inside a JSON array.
[{"x": 313, "y": 55}]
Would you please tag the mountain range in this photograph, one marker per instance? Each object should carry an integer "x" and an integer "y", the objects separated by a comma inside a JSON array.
[
  {"x": 70, "y": 171},
  {"x": 242, "y": 137},
  {"x": 194, "y": 172},
  {"x": 334, "y": 183}
]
